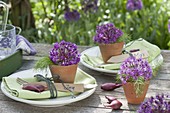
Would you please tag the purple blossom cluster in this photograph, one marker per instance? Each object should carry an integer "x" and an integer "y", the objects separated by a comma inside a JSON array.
[
  {"x": 90, "y": 5},
  {"x": 65, "y": 53},
  {"x": 132, "y": 5},
  {"x": 158, "y": 104},
  {"x": 131, "y": 69},
  {"x": 107, "y": 34},
  {"x": 72, "y": 15}
]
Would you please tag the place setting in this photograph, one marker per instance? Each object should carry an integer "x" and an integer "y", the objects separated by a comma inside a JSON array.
[
  {"x": 54, "y": 81},
  {"x": 108, "y": 59},
  {"x": 42, "y": 97}
]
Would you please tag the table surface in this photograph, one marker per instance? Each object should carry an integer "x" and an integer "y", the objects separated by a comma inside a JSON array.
[{"x": 94, "y": 103}]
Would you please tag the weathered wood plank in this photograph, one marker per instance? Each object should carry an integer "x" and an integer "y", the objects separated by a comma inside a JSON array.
[
  {"x": 165, "y": 68},
  {"x": 162, "y": 76},
  {"x": 12, "y": 107},
  {"x": 97, "y": 100},
  {"x": 166, "y": 54}
]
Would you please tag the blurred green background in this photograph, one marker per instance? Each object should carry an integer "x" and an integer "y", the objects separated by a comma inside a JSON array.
[{"x": 42, "y": 21}]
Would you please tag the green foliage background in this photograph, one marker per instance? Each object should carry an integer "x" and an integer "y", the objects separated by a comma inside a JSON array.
[{"x": 150, "y": 23}]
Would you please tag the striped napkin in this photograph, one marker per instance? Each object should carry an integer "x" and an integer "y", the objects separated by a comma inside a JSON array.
[{"x": 23, "y": 44}]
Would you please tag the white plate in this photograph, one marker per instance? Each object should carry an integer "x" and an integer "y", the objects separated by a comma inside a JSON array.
[
  {"x": 94, "y": 51},
  {"x": 61, "y": 101}
]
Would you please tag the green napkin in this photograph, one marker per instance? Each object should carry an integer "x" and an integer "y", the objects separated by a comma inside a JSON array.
[
  {"x": 142, "y": 44},
  {"x": 16, "y": 89},
  {"x": 97, "y": 61},
  {"x": 155, "y": 59}
]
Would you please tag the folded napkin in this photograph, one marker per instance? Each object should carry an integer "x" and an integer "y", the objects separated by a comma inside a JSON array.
[
  {"x": 97, "y": 61},
  {"x": 142, "y": 44},
  {"x": 23, "y": 44},
  {"x": 15, "y": 89},
  {"x": 155, "y": 59}
]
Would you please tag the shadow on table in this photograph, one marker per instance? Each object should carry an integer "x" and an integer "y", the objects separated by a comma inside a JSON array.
[
  {"x": 129, "y": 108},
  {"x": 133, "y": 107}
]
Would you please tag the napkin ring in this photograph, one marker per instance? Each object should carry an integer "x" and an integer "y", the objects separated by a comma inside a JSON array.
[{"x": 51, "y": 87}]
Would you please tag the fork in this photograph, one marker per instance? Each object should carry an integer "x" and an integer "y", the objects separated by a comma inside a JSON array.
[{"x": 21, "y": 81}]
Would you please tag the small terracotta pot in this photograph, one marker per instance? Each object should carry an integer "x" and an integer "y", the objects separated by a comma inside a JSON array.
[
  {"x": 66, "y": 73},
  {"x": 130, "y": 94},
  {"x": 109, "y": 50}
]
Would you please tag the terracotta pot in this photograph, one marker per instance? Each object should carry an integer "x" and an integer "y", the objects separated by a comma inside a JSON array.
[
  {"x": 109, "y": 50},
  {"x": 130, "y": 94},
  {"x": 66, "y": 73}
]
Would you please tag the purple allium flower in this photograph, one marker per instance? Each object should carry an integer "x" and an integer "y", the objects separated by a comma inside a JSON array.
[
  {"x": 64, "y": 53},
  {"x": 158, "y": 104},
  {"x": 107, "y": 33},
  {"x": 72, "y": 15},
  {"x": 132, "y": 5},
  {"x": 169, "y": 25},
  {"x": 90, "y": 5},
  {"x": 132, "y": 69}
]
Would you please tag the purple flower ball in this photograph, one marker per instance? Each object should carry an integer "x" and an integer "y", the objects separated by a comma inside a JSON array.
[
  {"x": 158, "y": 104},
  {"x": 131, "y": 69},
  {"x": 64, "y": 54},
  {"x": 107, "y": 33},
  {"x": 72, "y": 15},
  {"x": 132, "y": 5}
]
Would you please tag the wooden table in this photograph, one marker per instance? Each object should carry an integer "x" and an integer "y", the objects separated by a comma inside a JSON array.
[{"x": 94, "y": 103}]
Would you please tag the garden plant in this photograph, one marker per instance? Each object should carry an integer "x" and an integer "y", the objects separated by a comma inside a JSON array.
[{"x": 76, "y": 20}]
